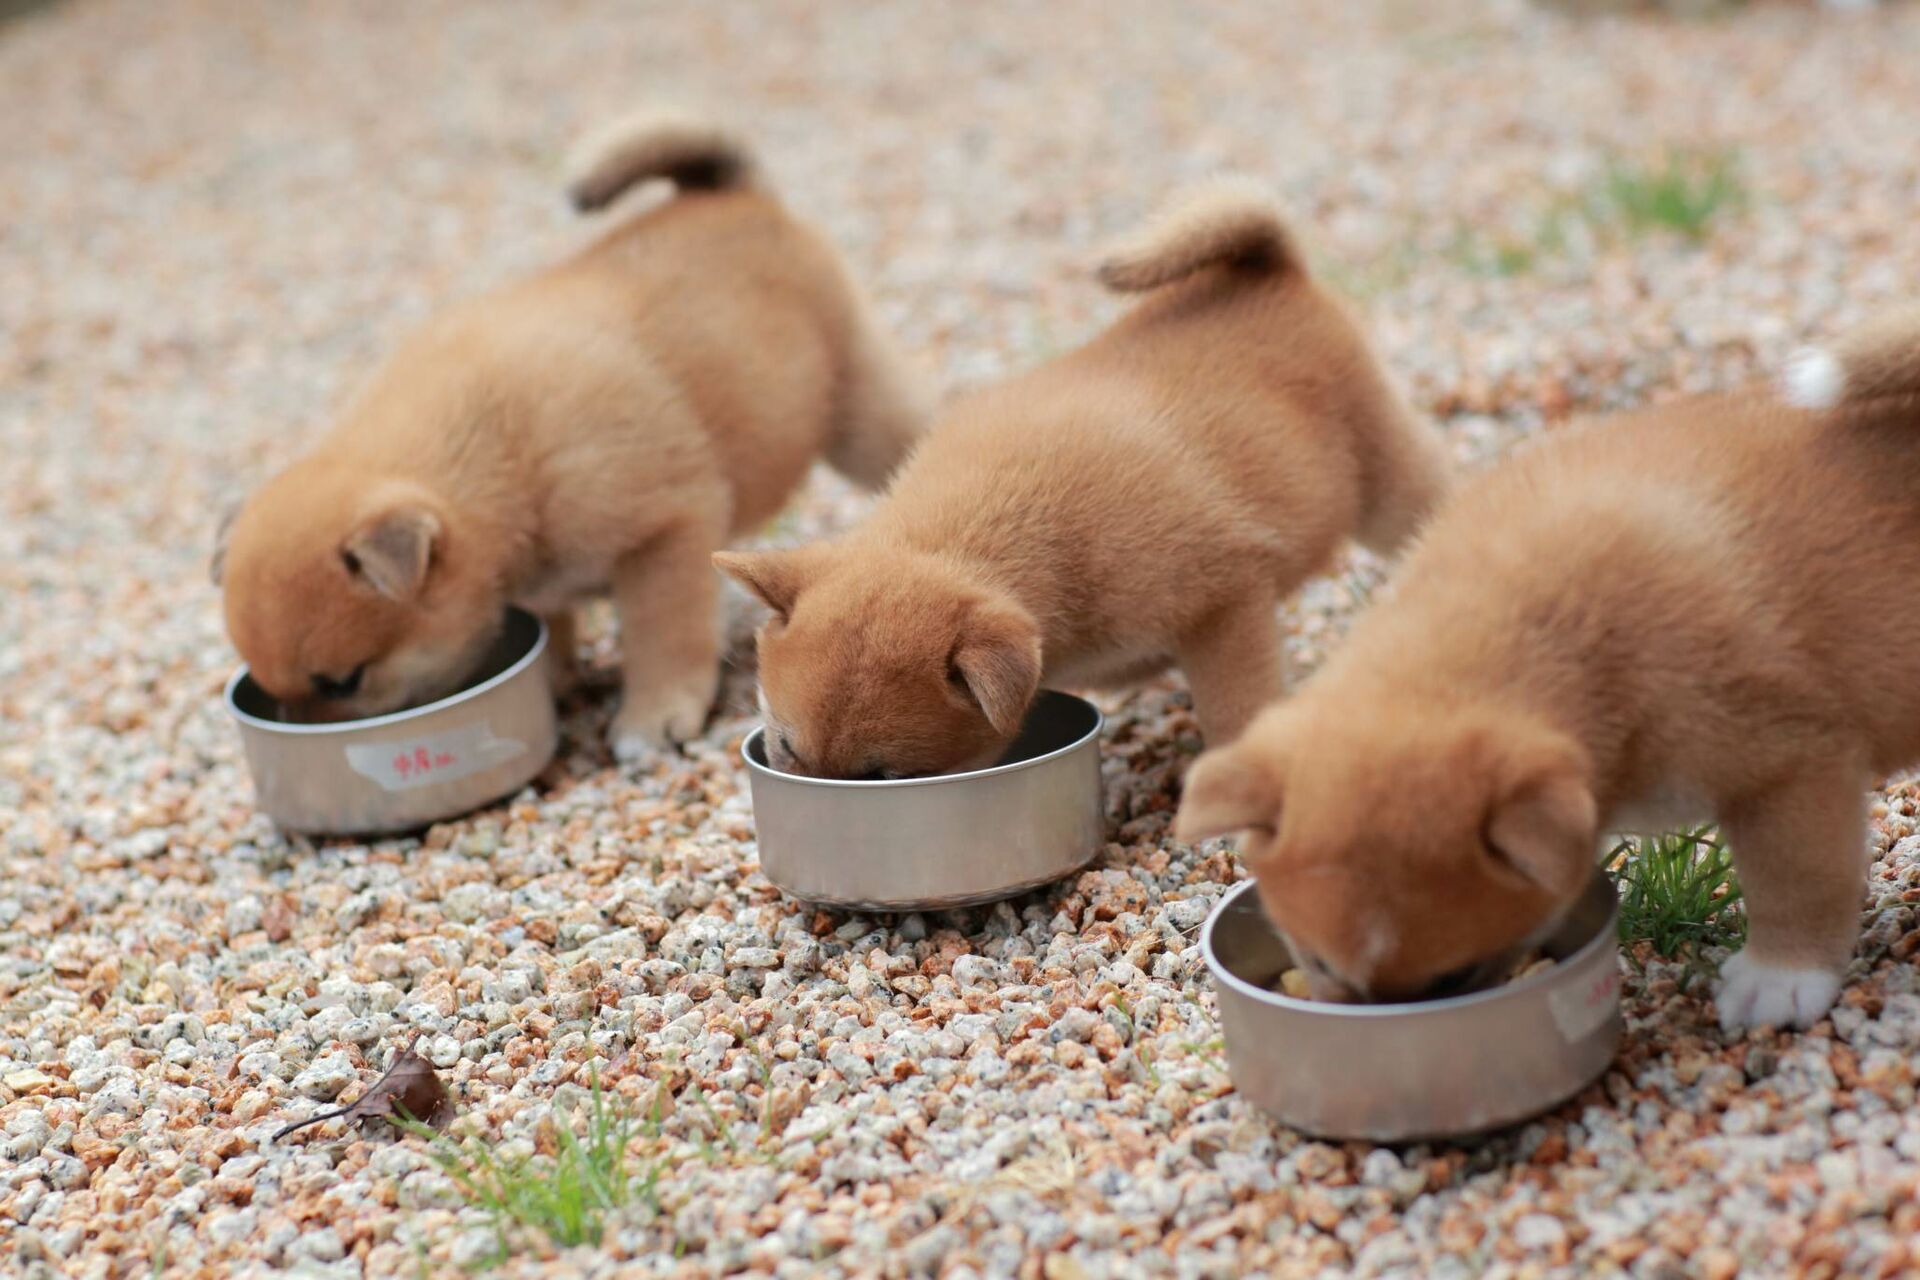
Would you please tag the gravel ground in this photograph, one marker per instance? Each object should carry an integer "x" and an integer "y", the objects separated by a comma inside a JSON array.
[{"x": 214, "y": 215}]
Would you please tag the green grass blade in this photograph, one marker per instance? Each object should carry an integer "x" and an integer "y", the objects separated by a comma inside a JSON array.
[{"x": 1678, "y": 894}]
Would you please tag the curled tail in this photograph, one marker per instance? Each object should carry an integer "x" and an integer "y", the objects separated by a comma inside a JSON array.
[
  {"x": 1229, "y": 220},
  {"x": 1874, "y": 366},
  {"x": 690, "y": 152}
]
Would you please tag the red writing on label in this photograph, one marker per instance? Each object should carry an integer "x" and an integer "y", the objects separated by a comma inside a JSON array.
[{"x": 421, "y": 760}]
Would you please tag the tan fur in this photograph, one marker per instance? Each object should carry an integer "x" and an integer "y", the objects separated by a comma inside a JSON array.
[
  {"x": 1229, "y": 220},
  {"x": 602, "y": 426},
  {"x": 1701, "y": 604},
  {"x": 688, "y": 151},
  {"x": 1149, "y": 498}
]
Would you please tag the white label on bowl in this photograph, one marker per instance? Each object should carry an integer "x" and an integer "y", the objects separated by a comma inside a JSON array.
[
  {"x": 1579, "y": 1011},
  {"x": 405, "y": 763}
]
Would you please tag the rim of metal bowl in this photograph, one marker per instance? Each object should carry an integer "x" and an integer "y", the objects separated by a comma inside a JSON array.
[
  {"x": 938, "y": 779},
  {"x": 1606, "y": 937},
  {"x": 337, "y": 727}
]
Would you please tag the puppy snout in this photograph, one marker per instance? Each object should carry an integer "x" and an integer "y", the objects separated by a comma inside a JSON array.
[{"x": 782, "y": 756}]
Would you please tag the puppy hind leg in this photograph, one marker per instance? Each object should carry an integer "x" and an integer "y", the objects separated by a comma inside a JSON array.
[
  {"x": 1800, "y": 851},
  {"x": 1235, "y": 664},
  {"x": 883, "y": 408},
  {"x": 666, "y": 596}
]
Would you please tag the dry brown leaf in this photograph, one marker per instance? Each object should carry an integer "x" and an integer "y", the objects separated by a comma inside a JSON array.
[{"x": 409, "y": 1090}]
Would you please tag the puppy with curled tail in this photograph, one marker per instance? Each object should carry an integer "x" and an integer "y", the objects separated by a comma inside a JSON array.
[
  {"x": 1148, "y": 499},
  {"x": 1670, "y": 616},
  {"x": 601, "y": 427}
]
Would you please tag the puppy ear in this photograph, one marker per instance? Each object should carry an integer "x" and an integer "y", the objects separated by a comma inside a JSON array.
[
  {"x": 996, "y": 662},
  {"x": 1544, "y": 827},
  {"x": 1227, "y": 791},
  {"x": 217, "y": 566},
  {"x": 392, "y": 551},
  {"x": 777, "y": 577}
]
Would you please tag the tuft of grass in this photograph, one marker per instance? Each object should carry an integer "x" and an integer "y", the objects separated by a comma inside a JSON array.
[
  {"x": 1678, "y": 893},
  {"x": 566, "y": 1197},
  {"x": 1513, "y": 253},
  {"x": 1212, "y": 1052},
  {"x": 1681, "y": 191}
]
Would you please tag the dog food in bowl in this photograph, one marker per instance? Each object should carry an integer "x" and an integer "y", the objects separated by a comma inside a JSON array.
[
  {"x": 403, "y": 770},
  {"x": 1293, "y": 982},
  {"x": 1433, "y": 1068},
  {"x": 916, "y": 844}
]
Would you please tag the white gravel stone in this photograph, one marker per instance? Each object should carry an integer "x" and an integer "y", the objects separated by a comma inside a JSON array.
[{"x": 1539, "y": 1231}]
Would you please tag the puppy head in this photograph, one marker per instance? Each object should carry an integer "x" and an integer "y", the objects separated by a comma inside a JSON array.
[
  {"x": 1402, "y": 855},
  {"x": 886, "y": 664},
  {"x": 349, "y": 598}
]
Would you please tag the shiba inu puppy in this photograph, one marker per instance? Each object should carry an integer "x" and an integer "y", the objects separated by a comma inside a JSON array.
[
  {"x": 1148, "y": 499},
  {"x": 603, "y": 426},
  {"x": 1699, "y": 605}
]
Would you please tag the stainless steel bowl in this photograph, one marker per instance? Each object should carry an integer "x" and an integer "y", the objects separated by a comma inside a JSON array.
[
  {"x": 1397, "y": 1072},
  {"x": 401, "y": 771},
  {"x": 918, "y": 844}
]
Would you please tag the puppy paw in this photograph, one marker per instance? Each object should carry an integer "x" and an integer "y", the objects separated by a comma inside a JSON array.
[
  {"x": 659, "y": 723},
  {"x": 1753, "y": 993}
]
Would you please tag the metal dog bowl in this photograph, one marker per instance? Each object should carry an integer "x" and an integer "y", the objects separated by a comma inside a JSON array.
[
  {"x": 410, "y": 768},
  {"x": 1398, "y": 1072},
  {"x": 917, "y": 844}
]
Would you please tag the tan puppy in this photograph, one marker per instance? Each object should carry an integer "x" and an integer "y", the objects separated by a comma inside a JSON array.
[
  {"x": 604, "y": 425},
  {"x": 1147, "y": 499},
  {"x": 1696, "y": 611}
]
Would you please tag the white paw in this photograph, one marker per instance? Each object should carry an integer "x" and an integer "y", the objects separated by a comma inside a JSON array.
[
  {"x": 1753, "y": 993},
  {"x": 660, "y": 723}
]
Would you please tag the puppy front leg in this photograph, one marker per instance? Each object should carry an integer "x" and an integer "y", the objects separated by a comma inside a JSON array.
[
  {"x": 563, "y": 651},
  {"x": 666, "y": 596},
  {"x": 1235, "y": 665},
  {"x": 1801, "y": 854}
]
